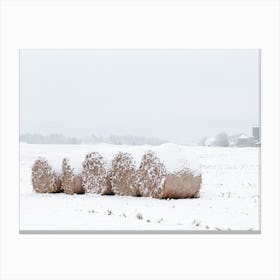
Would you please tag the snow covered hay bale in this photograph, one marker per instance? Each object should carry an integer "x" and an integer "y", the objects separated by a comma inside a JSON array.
[
  {"x": 183, "y": 178},
  {"x": 71, "y": 182},
  {"x": 151, "y": 175},
  {"x": 182, "y": 184},
  {"x": 44, "y": 179},
  {"x": 124, "y": 175},
  {"x": 169, "y": 172},
  {"x": 95, "y": 176}
]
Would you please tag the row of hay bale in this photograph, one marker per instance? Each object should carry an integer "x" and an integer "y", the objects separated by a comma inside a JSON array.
[{"x": 150, "y": 178}]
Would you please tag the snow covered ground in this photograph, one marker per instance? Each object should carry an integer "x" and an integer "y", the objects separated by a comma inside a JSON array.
[{"x": 230, "y": 196}]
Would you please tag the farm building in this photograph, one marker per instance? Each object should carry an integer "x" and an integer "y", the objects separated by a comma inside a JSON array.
[
  {"x": 256, "y": 133},
  {"x": 244, "y": 141}
]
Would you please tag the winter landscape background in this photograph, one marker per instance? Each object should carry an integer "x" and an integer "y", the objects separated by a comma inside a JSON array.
[{"x": 204, "y": 101}]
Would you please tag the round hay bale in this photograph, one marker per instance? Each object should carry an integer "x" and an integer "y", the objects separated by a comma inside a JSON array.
[
  {"x": 151, "y": 175},
  {"x": 71, "y": 183},
  {"x": 124, "y": 175},
  {"x": 95, "y": 177},
  {"x": 44, "y": 179},
  {"x": 182, "y": 184},
  {"x": 171, "y": 172}
]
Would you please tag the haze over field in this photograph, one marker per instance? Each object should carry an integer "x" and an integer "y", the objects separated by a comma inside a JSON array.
[{"x": 175, "y": 95}]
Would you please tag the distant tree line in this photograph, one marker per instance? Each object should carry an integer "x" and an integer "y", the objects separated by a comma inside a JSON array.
[
  {"x": 221, "y": 140},
  {"x": 92, "y": 139}
]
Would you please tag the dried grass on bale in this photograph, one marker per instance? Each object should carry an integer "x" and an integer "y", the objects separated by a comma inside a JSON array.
[
  {"x": 44, "y": 179},
  {"x": 155, "y": 181},
  {"x": 95, "y": 177},
  {"x": 151, "y": 175},
  {"x": 124, "y": 175},
  {"x": 182, "y": 184},
  {"x": 71, "y": 183}
]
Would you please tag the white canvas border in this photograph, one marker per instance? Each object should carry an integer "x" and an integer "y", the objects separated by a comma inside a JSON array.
[{"x": 111, "y": 24}]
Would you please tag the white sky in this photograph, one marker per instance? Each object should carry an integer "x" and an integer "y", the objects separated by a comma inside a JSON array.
[{"x": 178, "y": 95}]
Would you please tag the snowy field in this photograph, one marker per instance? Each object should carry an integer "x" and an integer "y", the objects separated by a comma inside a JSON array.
[{"x": 229, "y": 197}]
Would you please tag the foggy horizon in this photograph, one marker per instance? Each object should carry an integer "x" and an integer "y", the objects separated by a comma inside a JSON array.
[
  {"x": 175, "y": 95},
  {"x": 46, "y": 128}
]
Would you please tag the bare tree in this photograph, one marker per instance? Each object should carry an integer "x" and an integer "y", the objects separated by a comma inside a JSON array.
[
  {"x": 202, "y": 141},
  {"x": 221, "y": 140}
]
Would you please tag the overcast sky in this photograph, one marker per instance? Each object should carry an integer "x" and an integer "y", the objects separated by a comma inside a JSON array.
[{"x": 177, "y": 95}]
